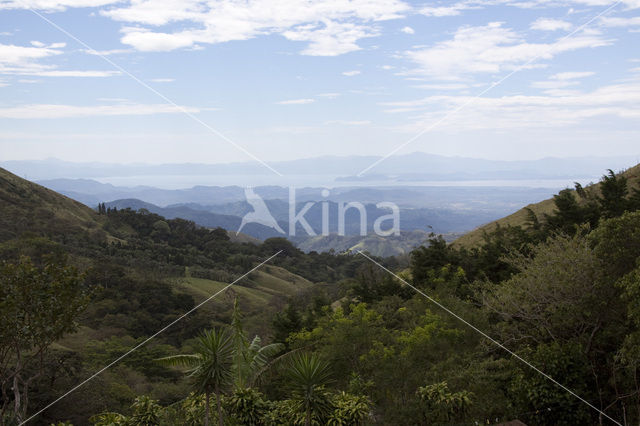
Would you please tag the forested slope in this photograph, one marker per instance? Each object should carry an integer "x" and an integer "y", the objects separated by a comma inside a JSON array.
[{"x": 522, "y": 216}]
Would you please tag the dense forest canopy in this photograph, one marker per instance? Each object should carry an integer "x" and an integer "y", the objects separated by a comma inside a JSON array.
[{"x": 318, "y": 338}]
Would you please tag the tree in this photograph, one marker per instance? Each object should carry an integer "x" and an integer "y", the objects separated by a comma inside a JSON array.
[
  {"x": 569, "y": 213},
  {"x": 564, "y": 303},
  {"x": 425, "y": 259},
  {"x": 614, "y": 192},
  {"x": 308, "y": 374},
  {"x": 38, "y": 305},
  {"x": 285, "y": 322},
  {"x": 210, "y": 367},
  {"x": 560, "y": 294},
  {"x": 543, "y": 402},
  {"x": 629, "y": 355}
]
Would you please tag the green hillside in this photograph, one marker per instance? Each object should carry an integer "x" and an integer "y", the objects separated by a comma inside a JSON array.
[
  {"x": 520, "y": 218},
  {"x": 27, "y": 206}
]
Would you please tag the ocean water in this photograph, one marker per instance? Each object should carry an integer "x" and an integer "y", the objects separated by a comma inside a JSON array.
[{"x": 324, "y": 181}]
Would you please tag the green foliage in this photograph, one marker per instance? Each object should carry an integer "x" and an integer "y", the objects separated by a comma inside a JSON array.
[
  {"x": 569, "y": 214},
  {"x": 443, "y": 406},
  {"x": 617, "y": 243},
  {"x": 38, "y": 305},
  {"x": 286, "y": 322},
  {"x": 543, "y": 401},
  {"x": 246, "y": 407},
  {"x": 109, "y": 419},
  {"x": 352, "y": 410},
  {"x": 614, "y": 192},
  {"x": 146, "y": 412}
]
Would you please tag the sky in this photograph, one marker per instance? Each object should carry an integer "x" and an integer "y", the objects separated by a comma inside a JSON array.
[{"x": 212, "y": 81}]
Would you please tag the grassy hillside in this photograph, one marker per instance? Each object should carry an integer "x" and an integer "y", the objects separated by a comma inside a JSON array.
[
  {"x": 26, "y": 206},
  {"x": 261, "y": 288},
  {"x": 519, "y": 218}
]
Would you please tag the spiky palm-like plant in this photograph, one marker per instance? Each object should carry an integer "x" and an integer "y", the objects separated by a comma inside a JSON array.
[
  {"x": 210, "y": 368},
  {"x": 308, "y": 374}
]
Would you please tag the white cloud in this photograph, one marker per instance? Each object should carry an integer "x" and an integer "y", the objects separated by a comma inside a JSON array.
[
  {"x": 73, "y": 73},
  {"x": 620, "y": 101},
  {"x": 549, "y": 24},
  {"x": 332, "y": 40},
  {"x": 387, "y": 67},
  {"x": 53, "y": 5},
  {"x": 23, "y": 60},
  {"x": 408, "y": 30},
  {"x": 492, "y": 49},
  {"x": 148, "y": 41},
  {"x": 297, "y": 101},
  {"x": 351, "y": 73},
  {"x": 330, "y": 27},
  {"x": 560, "y": 81},
  {"x": 75, "y": 111},
  {"x": 620, "y": 22},
  {"x": 19, "y": 55},
  {"x": 163, "y": 80},
  {"x": 572, "y": 75},
  {"x": 440, "y": 11},
  {"x": 456, "y": 8}
]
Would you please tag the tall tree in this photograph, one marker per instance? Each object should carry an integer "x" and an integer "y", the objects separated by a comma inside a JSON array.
[{"x": 38, "y": 305}]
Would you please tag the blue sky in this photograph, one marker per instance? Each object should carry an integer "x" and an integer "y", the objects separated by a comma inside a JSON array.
[{"x": 294, "y": 79}]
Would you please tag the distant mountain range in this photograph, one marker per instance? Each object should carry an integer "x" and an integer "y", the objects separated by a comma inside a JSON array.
[
  {"x": 443, "y": 221},
  {"x": 221, "y": 199},
  {"x": 445, "y": 209},
  {"x": 416, "y": 166}
]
